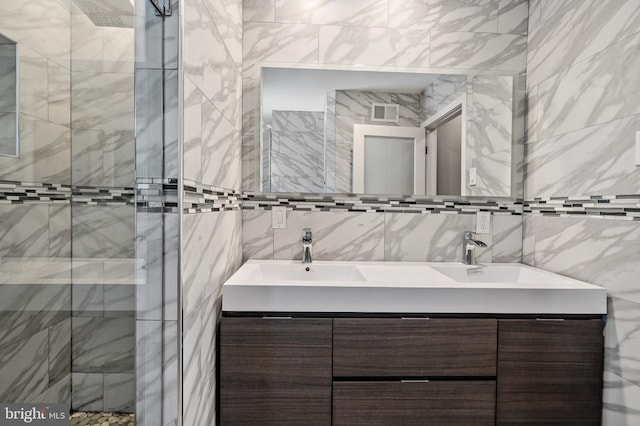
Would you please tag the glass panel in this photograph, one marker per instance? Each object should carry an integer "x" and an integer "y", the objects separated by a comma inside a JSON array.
[{"x": 388, "y": 165}]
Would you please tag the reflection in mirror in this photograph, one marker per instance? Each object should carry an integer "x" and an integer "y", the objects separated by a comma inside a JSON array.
[
  {"x": 8, "y": 97},
  {"x": 341, "y": 131}
]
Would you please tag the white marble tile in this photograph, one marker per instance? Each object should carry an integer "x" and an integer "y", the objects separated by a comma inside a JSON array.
[
  {"x": 25, "y": 230},
  {"x": 259, "y": 10},
  {"x": 250, "y": 162},
  {"x": 490, "y": 120},
  {"x": 151, "y": 151},
  {"x": 87, "y": 44},
  {"x": 24, "y": 368},
  {"x": 591, "y": 91},
  {"x": 156, "y": 373},
  {"x": 227, "y": 16},
  {"x": 534, "y": 15},
  {"x": 105, "y": 232},
  {"x": 574, "y": 30},
  {"x": 118, "y": 157},
  {"x": 621, "y": 401},
  {"x": 87, "y": 391},
  {"x": 603, "y": 252},
  {"x": 59, "y": 351},
  {"x": 118, "y": 52},
  {"x": 276, "y": 42},
  {"x": 102, "y": 345},
  {"x": 257, "y": 234},
  {"x": 88, "y": 299},
  {"x": 192, "y": 115},
  {"x": 208, "y": 63},
  {"x": 374, "y": 46},
  {"x": 513, "y": 16},
  {"x": 212, "y": 251},
  {"x": 493, "y": 175},
  {"x": 336, "y": 236},
  {"x": 595, "y": 160},
  {"x": 57, "y": 393},
  {"x": 483, "y": 51},
  {"x": 622, "y": 339},
  {"x": 528, "y": 240},
  {"x": 357, "y": 103},
  {"x": 119, "y": 392},
  {"x": 33, "y": 85},
  {"x": 370, "y": 13},
  {"x": 102, "y": 101},
  {"x": 59, "y": 103},
  {"x": 221, "y": 149},
  {"x": 425, "y": 238},
  {"x": 507, "y": 239},
  {"x": 60, "y": 231},
  {"x": 42, "y": 25},
  {"x": 445, "y": 15},
  {"x": 199, "y": 362}
]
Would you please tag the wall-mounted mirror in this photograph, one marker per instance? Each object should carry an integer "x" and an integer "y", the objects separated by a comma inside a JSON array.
[
  {"x": 350, "y": 131},
  {"x": 8, "y": 97}
]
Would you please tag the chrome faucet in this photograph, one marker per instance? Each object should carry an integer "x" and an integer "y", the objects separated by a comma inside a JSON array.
[
  {"x": 469, "y": 243},
  {"x": 306, "y": 246}
]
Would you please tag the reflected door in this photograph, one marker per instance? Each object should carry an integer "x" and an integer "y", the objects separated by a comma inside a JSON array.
[
  {"x": 388, "y": 165},
  {"x": 388, "y": 159}
]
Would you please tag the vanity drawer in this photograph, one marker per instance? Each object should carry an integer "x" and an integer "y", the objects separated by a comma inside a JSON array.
[
  {"x": 414, "y": 347},
  {"x": 414, "y": 403}
]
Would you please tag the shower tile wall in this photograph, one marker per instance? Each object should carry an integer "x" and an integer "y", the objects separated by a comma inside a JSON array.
[
  {"x": 489, "y": 35},
  {"x": 35, "y": 249},
  {"x": 102, "y": 155},
  {"x": 157, "y": 221},
  {"x": 581, "y": 142},
  {"x": 211, "y": 241}
]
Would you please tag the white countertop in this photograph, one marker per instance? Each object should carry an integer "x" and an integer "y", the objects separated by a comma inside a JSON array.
[{"x": 407, "y": 287}]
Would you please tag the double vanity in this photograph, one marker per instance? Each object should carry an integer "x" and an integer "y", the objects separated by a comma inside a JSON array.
[{"x": 394, "y": 343}]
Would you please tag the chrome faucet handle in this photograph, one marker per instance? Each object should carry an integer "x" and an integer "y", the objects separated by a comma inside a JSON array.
[{"x": 306, "y": 235}]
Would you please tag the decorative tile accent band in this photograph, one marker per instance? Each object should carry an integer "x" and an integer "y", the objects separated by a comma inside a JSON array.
[
  {"x": 157, "y": 196},
  {"x": 12, "y": 192},
  {"x": 201, "y": 198},
  {"x": 619, "y": 207},
  {"x": 367, "y": 203}
]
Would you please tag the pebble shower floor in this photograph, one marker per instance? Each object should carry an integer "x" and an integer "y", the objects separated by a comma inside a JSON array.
[{"x": 101, "y": 419}]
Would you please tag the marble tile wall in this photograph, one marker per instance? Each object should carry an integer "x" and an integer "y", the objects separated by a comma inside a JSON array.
[
  {"x": 411, "y": 237},
  {"x": 157, "y": 170},
  {"x": 212, "y": 158},
  {"x": 42, "y": 31},
  {"x": 483, "y": 35},
  {"x": 297, "y": 151},
  {"x": 581, "y": 120},
  {"x": 35, "y": 277}
]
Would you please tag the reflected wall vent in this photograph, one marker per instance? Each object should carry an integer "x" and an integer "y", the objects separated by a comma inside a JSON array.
[{"x": 386, "y": 113}]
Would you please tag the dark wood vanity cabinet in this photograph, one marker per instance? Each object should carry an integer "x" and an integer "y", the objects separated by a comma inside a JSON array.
[
  {"x": 403, "y": 372},
  {"x": 550, "y": 372},
  {"x": 275, "y": 371}
]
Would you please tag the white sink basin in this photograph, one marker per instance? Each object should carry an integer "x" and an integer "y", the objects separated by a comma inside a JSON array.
[
  {"x": 316, "y": 272},
  {"x": 407, "y": 287},
  {"x": 500, "y": 274}
]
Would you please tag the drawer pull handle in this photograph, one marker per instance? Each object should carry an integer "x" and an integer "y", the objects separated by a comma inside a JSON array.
[
  {"x": 277, "y": 318},
  {"x": 415, "y": 318},
  {"x": 414, "y": 381}
]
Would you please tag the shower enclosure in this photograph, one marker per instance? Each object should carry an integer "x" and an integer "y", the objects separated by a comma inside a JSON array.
[{"x": 89, "y": 220}]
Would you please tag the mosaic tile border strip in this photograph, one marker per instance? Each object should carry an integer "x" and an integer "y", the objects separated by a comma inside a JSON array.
[
  {"x": 372, "y": 204},
  {"x": 201, "y": 198},
  {"x": 12, "y": 192},
  {"x": 618, "y": 207},
  {"x": 157, "y": 196}
]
